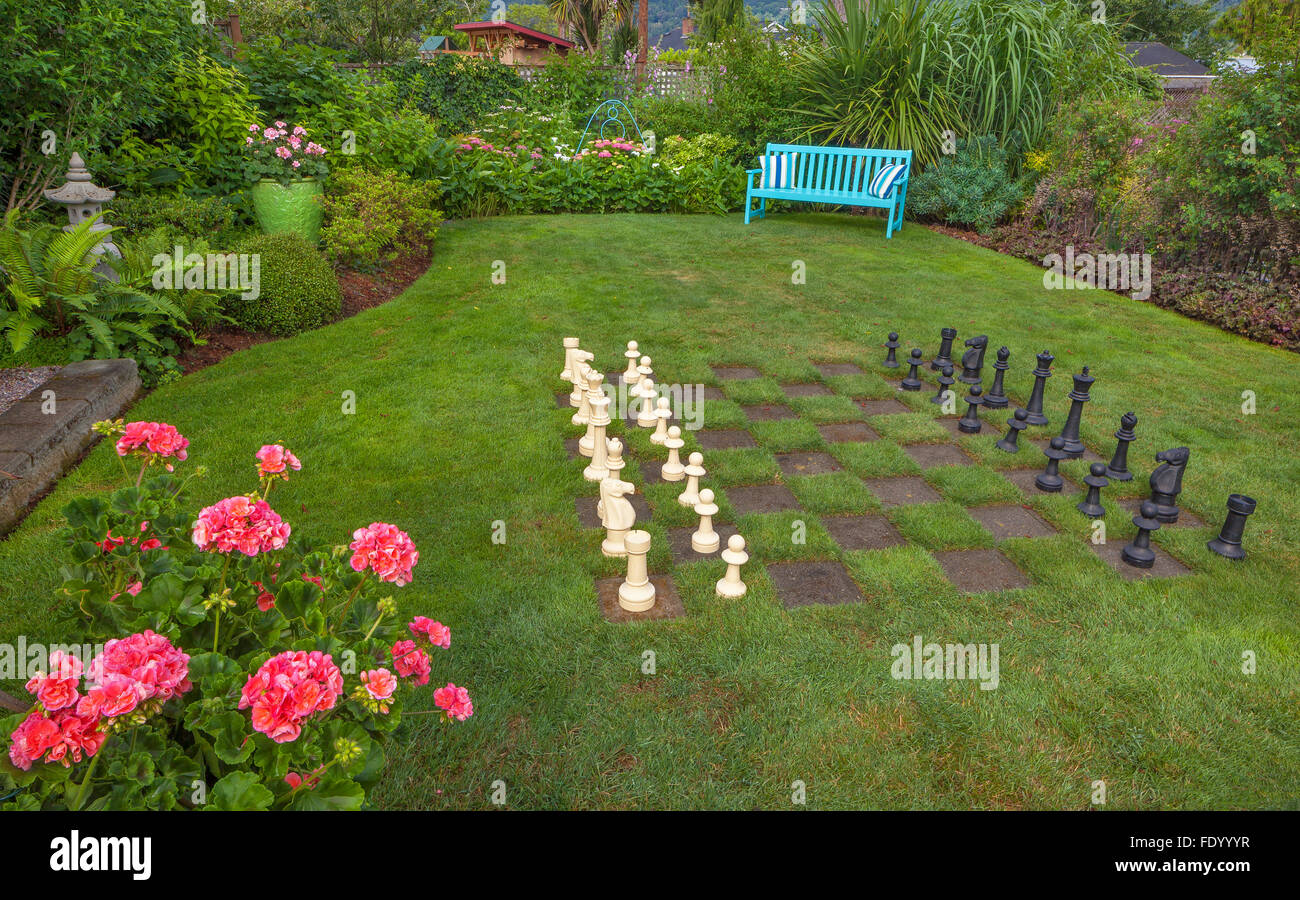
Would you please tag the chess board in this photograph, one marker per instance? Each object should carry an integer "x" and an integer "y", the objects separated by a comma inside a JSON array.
[{"x": 848, "y": 488}]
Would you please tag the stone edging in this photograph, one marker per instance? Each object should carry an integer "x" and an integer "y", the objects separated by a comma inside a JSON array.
[{"x": 45, "y": 433}]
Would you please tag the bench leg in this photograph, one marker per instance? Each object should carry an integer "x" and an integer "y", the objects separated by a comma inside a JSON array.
[
  {"x": 889, "y": 223},
  {"x": 749, "y": 201},
  {"x": 762, "y": 207}
]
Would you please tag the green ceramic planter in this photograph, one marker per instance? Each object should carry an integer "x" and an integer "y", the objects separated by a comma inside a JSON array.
[{"x": 298, "y": 207}]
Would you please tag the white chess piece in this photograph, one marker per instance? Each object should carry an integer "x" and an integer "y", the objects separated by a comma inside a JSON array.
[
  {"x": 570, "y": 344},
  {"x": 614, "y": 457},
  {"x": 673, "y": 470},
  {"x": 583, "y": 415},
  {"x": 705, "y": 539},
  {"x": 617, "y": 515},
  {"x": 595, "y": 390},
  {"x": 643, "y": 375},
  {"x": 637, "y": 594},
  {"x": 598, "y": 470},
  {"x": 735, "y": 556},
  {"x": 664, "y": 412},
  {"x": 631, "y": 376},
  {"x": 646, "y": 418},
  {"x": 694, "y": 472},
  {"x": 575, "y": 376}
]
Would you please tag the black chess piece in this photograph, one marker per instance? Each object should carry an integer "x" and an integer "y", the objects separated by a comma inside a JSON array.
[
  {"x": 1138, "y": 552},
  {"x": 947, "y": 335},
  {"x": 1118, "y": 468},
  {"x": 892, "y": 345},
  {"x": 997, "y": 398},
  {"x": 1228, "y": 543},
  {"x": 1167, "y": 482},
  {"x": 912, "y": 382},
  {"x": 1049, "y": 480},
  {"x": 1070, "y": 432},
  {"x": 1091, "y": 504},
  {"x": 970, "y": 423},
  {"x": 1035, "y": 405},
  {"x": 946, "y": 381},
  {"x": 1017, "y": 423},
  {"x": 972, "y": 361}
]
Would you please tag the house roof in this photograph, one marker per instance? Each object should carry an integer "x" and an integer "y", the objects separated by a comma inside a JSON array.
[
  {"x": 432, "y": 43},
  {"x": 672, "y": 40},
  {"x": 516, "y": 29},
  {"x": 1162, "y": 60}
]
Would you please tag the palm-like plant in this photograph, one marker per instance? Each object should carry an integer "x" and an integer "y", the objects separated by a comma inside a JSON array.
[
  {"x": 881, "y": 77},
  {"x": 585, "y": 18}
]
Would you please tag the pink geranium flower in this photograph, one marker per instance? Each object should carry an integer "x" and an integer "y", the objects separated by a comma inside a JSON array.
[
  {"x": 274, "y": 459},
  {"x": 439, "y": 635},
  {"x": 240, "y": 523},
  {"x": 411, "y": 662},
  {"x": 288, "y": 689},
  {"x": 386, "y": 550},
  {"x": 455, "y": 700}
]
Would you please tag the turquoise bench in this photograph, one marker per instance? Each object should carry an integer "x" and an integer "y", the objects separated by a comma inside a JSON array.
[{"x": 839, "y": 175}]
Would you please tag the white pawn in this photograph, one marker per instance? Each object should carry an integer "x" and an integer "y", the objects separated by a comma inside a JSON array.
[
  {"x": 694, "y": 472},
  {"x": 583, "y": 415},
  {"x": 631, "y": 376},
  {"x": 643, "y": 375},
  {"x": 735, "y": 556},
  {"x": 614, "y": 456},
  {"x": 636, "y": 594},
  {"x": 647, "y": 418},
  {"x": 673, "y": 470},
  {"x": 705, "y": 540},
  {"x": 570, "y": 344},
  {"x": 664, "y": 412}
]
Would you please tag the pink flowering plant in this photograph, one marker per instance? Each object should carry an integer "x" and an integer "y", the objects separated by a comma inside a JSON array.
[
  {"x": 282, "y": 153},
  {"x": 242, "y": 665}
]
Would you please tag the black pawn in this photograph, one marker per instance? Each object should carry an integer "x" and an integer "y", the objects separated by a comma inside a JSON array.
[
  {"x": 892, "y": 345},
  {"x": 1070, "y": 431},
  {"x": 1041, "y": 374},
  {"x": 1228, "y": 543},
  {"x": 912, "y": 382},
  {"x": 1138, "y": 553},
  {"x": 1011, "y": 443},
  {"x": 946, "y": 381},
  {"x": 1118, "y": 468},
  {"x": 1049, "y": 480},
  {"x": 1091, "y": 505},
  {"x": 947, "y": 336},
  {"x": 970, "y": 423},
  {"x": 997, "y": 398}
]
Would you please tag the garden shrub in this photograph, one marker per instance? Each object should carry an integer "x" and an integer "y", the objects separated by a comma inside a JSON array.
[
  {"x": 237, "y": 665},
  {"x": 971, "y": 187},
  {"x": 212, "y": 217},
  {"x": 298, "y": 287},
  {"x": 458, "y": 90},
  {"x": 373, "y": 217}
]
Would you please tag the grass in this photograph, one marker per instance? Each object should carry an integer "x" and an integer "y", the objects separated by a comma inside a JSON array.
[{"x": 1137, "y": 684}]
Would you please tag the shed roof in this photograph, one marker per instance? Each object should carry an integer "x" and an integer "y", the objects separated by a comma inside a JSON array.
[{"x": 1162, "y": 60}]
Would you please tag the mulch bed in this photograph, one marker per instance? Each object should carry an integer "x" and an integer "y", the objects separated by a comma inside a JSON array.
[{"x": 361, "y": 291}]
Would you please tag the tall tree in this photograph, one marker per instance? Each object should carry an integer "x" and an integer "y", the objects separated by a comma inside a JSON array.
[
  {"x": 1251, "y": 23},
  {"x": 712, "y": 17},
  {"x": 585, "y": 20}
]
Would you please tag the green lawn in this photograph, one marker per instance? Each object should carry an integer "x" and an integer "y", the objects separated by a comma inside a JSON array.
[{"x": 1139, "y": 684}]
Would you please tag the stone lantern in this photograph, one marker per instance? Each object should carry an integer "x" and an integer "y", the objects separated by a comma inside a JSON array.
[{"x": 85, "y": 200}]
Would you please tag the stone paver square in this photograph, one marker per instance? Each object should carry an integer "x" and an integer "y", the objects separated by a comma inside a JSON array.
[
  {"x": 587, "y": 517},
  {"x": 847, "y": 433},
  {"x": 807, "y": 390},
  {"x": 830, "y": 370},
  {"x": 1185, "y": 519},
  {"x": 1024, "y": 479},
  {"x": 1011, "y": 521},
  {"x": 768, "y": 412},
  {"x": 668, "y": 603},
  {"x": 929, "y": 456},
  {"x": 951, "y": 424},
  {"x": 862, "y": 532},
  {"x": 562, "y": 401},
  {"x": 886, "y": 407},
  {"x": 706, "y": 392},
  {"x": 813, "y": 583},
  {"x": 736, "y": 373},
  {"x": 814, "y": 463},
  {"x": 980, "y": 571},
  {"x": 761, "y": 498},
  {"x": 902, "y": 491},
  {"x": 679, "y": 540},
  {"x": 1165, "y": 565},
  {"x": 725, "y": 439}
]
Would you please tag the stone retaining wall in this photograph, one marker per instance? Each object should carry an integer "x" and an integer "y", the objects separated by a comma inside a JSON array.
[{"x": 40, "y": 440}]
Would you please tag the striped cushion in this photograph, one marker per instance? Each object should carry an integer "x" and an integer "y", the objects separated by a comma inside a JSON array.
[
  {"x": 885, "y": 179},
  {"x": 778, "y": 169}
]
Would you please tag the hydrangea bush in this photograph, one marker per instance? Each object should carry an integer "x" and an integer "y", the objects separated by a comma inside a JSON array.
[{"x": 241, "y": 667}]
